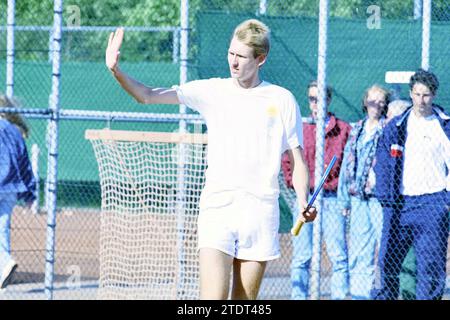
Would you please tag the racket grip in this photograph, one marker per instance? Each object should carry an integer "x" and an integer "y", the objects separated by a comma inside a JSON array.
[{"x": 296, "y": 228}]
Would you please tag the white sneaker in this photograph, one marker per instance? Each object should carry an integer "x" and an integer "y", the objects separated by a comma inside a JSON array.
[{"x": 7, "y": 273}]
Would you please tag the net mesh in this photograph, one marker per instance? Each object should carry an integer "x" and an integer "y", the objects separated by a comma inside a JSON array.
[{"x": 148, "y": 239}]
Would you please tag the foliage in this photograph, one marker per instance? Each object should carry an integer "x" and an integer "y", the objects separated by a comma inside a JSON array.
[{"x": 158, "y": 46}]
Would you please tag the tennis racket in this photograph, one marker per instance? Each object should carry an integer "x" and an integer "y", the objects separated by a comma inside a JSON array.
[{"x": 298, "y": 225}]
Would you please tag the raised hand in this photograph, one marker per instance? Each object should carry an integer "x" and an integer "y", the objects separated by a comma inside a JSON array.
[{"x": 113, "y": 49}]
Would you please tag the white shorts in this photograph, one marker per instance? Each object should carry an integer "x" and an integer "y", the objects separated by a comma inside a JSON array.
[{"x": 239, "y": 224}]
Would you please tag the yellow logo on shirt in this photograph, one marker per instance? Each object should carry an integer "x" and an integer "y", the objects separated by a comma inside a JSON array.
[{"x": 272, "y": 111}]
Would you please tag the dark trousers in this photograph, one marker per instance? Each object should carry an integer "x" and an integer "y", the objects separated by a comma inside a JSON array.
[{"x": 424, "y": 222}]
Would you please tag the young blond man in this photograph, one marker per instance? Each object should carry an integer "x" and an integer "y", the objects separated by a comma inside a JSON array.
[{"x": 239, "y": 216}]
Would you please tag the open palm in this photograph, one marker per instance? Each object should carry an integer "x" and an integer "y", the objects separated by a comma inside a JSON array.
[{"x": 112, "y": 51}]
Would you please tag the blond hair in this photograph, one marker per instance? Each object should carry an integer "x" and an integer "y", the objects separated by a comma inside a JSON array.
[
  {"x": 13, "y": 118},
  {"x": 254, "y": 34},
  {"x": 384, "y": 91}
]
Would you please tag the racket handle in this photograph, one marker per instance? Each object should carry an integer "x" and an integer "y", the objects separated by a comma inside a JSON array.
[{"x": 296, "y": 228}]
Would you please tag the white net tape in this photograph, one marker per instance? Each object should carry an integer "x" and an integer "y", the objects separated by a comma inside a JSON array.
[{"x": 148, "y": 241}]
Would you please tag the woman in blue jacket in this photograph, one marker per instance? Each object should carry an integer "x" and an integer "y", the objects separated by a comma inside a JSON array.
[{"x": 16, "y": 182}]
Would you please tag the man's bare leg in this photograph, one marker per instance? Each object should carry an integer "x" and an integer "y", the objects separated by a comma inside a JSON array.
[
  {"x": 247, "y": 277},
  {"x": 215, "y": 272}
]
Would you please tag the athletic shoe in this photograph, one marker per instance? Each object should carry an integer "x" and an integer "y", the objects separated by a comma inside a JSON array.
[{"x": 7, "y": 273}]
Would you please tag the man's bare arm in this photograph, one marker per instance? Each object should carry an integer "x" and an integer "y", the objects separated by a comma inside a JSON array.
[
  {"x": 300, "y": 181},
  {"x": 140, "y": 92}
]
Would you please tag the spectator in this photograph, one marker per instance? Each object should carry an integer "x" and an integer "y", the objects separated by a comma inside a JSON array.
[
  {"x": 413, "y": 184},
  {"x": 355, "y": 191},
  {"x": 336, "y": 134},
  {"x": 16, "y": 182}
]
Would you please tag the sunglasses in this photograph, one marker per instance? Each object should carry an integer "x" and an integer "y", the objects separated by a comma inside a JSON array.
[
  {"x": 312, "y": 99},
  {"x": 373, "y": 103}
]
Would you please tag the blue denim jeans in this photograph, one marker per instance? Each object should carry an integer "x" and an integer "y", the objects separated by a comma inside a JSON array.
[
  {"x": 7, "y": 203},
  {"x": 333, "y": 231},
  {"x": 366, "y": 222}
]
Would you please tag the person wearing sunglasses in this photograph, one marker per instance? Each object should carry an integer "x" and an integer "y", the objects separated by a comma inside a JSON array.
[
  {"x": 333, "y": 225},
  {"x": 356, "y": 191}
]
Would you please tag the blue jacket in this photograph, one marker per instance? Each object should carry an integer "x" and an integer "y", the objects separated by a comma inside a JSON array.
[
  {"x": 16, "y": 175},
  {"x": 389, "y": 168}
]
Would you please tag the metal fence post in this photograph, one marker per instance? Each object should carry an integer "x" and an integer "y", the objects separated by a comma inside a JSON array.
[
  {"x": 53, "y": 149},
  {"x": 320, "y": 139},
  {"x": 417, "y": 9},
  {"x": 263, "y": 7},
  {"x": 426, "y": 25},
  {"x": 10, "y": 48},
  {"x": 181, "y": 161}
]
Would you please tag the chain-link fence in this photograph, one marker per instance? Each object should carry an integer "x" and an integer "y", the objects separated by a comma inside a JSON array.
[{"x": 365, "y": 40}]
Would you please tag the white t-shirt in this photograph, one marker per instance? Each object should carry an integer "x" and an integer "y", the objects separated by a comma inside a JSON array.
[
  {"x": 248, "y": 130},
  {"x": 427, "y": 157}
]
